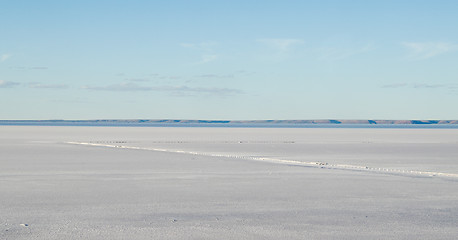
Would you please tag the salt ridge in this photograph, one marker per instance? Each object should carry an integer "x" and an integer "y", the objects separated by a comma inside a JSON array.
[{"x": 390, "y": 171}]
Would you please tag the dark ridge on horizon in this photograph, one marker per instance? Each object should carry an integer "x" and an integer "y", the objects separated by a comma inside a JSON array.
[{"x": 192, "y": 121}]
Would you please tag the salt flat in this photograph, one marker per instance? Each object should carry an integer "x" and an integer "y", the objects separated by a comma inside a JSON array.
[{"x": 212, "y": 183}]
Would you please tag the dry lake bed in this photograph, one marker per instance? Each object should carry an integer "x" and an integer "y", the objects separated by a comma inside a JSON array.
[{"x": 228, "y": 183}]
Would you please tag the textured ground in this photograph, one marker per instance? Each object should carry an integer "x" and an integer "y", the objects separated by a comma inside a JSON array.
[{"x": 54, "y": 190}]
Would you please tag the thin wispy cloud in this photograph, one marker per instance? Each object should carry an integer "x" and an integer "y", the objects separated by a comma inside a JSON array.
[
  {"x": 122, "y": 87},
  {"x": 77, "y": 101},
  {"x": 152, "y": 77},
  {"x": 245, "y": 73},
  {"x": 167, "y": 77},
  {"x": 280, "y": 44},
  {"x": 47, "y": 86},
  {"x": 395, "y": 85},
  {"x": 39, "y": 68},
  {"x": 4, "y": 57},
  {"x": 212, "y": 77},
  {"x": 137, "y": 79},
  {"x": 207, "y": 58},
  {"x": 8, "y": 84},
  {"x": 22, "y": 68},
  {"x": 420, "y": 86},
  {"x": 426, "y": 50},
  {"x": 131, "y": 87},
  {"x": 205, "y": 49},
  {"x": 211, "y": 91},
  {"x": 204, "y": 46},
  {"x": 215, "y": 76},
  {"x": 335, "y": 54}
]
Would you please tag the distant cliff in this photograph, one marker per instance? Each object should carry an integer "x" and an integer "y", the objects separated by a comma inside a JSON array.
[
  {"x": 216, "y": 122},
  {"x": 317, "y": 121}
]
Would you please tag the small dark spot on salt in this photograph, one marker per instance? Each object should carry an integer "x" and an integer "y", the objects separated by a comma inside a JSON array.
[
  {"x": 24, "y": 224},
  {"x": 174, "y": 220}
]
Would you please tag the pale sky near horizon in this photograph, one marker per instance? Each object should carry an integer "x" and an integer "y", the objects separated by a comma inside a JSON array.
[{"x": 229, "y": 59}]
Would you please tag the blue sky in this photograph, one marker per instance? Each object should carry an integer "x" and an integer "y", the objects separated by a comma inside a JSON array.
[{"x": 228, "y": 59}]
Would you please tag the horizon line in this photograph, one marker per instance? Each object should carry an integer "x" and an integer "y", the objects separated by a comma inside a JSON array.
[{"x": 223, "y": 121}]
